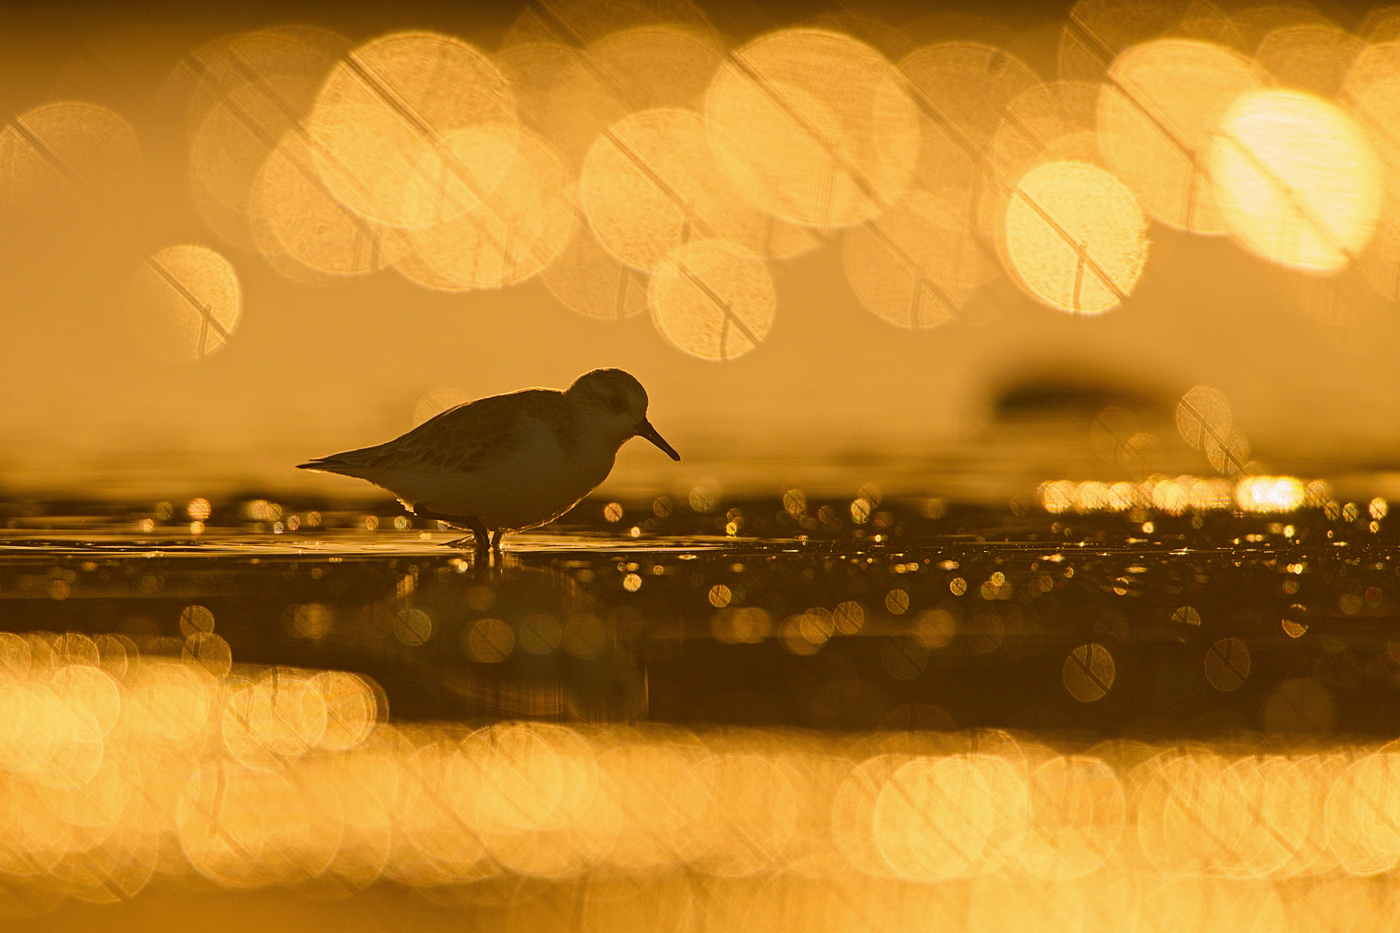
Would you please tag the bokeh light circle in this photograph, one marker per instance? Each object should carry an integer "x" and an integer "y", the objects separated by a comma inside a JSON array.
[
  {"x": 1041, "y": 124},
  {"x": 713, "y": 299},
  {"x": 1227, "y": 664},
  {"x": 961, "y": 90},
  {"x": 184, "y": 303},
  {"x": 933, "y": 817},
  {"x": 586, "y": 278},
  {"x": 916, "y": 265},
  {"x": 813, "y": 127},
  {"x": 515, "y": 229},
  {"x": 1156, "y": 116},
  {"x": 249, "y": 90},
  {"x": 1088, "y": 672},
  {"x": 303, "y": 231},
  {"x": 382, "y": 124},
  {"x": 1202, "y": 414},
  {"x": 649, "y": 183},
  {"x": 561, "y": 94},
  {"x": 75, "y": 150},
  {"x": 1077, "y": 813},
  {"x": 1297, "y": 179},
  {"x": 1075, "y": 237},
  {"x": 662, "y": 65}
]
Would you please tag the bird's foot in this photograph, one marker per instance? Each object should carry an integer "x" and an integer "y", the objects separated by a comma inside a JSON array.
[{"x": 479, "y": 538}]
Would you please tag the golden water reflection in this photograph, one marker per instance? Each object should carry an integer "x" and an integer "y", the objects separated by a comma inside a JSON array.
[{"x": 120, "y": 771}]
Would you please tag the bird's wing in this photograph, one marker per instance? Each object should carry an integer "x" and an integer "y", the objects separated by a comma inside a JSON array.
[{"x": 459, "y": 440}]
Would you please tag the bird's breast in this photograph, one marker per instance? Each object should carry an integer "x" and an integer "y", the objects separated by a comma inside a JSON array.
[{"x": 533, "y": 483}]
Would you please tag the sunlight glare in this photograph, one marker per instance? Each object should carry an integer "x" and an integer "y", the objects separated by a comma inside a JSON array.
[{"x": 1297, "y": 179}]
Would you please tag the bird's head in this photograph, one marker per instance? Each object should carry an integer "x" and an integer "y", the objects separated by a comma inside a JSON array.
[{"x": 618, "y": 403}]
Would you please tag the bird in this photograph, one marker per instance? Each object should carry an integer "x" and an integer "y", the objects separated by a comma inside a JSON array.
[{"x": 509, "y": 462}]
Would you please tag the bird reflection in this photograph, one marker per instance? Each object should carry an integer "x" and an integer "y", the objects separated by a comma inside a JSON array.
[{"x": 513, "y": 641}]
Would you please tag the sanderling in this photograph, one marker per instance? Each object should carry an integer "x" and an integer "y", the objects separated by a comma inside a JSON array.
[{"x": 508, "y": 462}]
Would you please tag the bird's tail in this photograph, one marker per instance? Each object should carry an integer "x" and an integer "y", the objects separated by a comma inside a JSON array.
[
  {"x": 320, "y": 465},
  {"x": 347, "y": 463}
]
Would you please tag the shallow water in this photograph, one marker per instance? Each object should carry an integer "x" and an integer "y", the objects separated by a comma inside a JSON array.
[{"x": 1197, "y": 627}]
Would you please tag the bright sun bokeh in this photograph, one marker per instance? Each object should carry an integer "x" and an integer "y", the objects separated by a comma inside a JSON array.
[
  {"x": 1270, "y": 494},
  {"x": 1296, "y": 178}
]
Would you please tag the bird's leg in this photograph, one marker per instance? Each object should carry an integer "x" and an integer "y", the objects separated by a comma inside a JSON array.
[
  {"x": 496, "y": 541},
  {"x": 482, "y": 541}
]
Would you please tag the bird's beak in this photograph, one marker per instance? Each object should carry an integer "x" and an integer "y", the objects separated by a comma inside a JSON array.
[{"x": 646, "y": 430}]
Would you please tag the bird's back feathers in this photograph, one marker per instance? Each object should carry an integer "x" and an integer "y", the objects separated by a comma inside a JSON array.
[{"x": 459, "y": 440}]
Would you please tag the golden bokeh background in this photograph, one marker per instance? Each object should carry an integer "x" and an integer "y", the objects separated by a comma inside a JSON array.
[
  {"x": 229, "y": 239},
  {"x": 1120, "y": 263},
  {"x": 1149, "y": 248}
]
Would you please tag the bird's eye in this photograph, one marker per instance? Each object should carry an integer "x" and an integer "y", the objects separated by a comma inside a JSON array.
[{"x": 616, "y": 403}]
